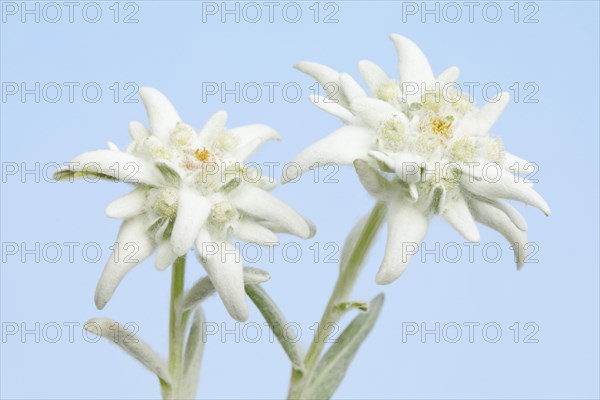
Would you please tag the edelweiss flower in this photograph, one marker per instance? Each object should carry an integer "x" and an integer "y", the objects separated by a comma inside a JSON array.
[
  {"x": 433, "y": 144},
  {"x": 192, "y": 188}
]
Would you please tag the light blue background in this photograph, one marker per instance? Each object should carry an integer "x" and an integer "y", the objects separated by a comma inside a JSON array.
[{"x": 172, "y": 49}]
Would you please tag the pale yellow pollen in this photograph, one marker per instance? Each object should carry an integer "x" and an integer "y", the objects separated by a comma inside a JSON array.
[
  {"x": 223, "y": 213},
  {"x": 182, "y": 134},
  {"x": 388, "y": 91},
  {"x": 463, "y": 150},
  {"x": 427, "y": 143},
  {"x": 202, "y": 155},
  {"x": 463, "y": 105},
  {"x": 165, "y": 203},
  {"x": 441, "y": 127},
  {"x": 392, "y": 134},
  {"x": 432, "y": 101},
  {"x": 226, "y": 141}
]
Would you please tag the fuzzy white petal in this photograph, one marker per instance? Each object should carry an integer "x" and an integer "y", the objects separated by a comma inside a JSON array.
[
  {"x": 111, "y": 146},
  {"x": 164, "y": 255},
  {"x": 212, "y": 127},
  {"x": 407, "y": 227},
  {"x": 226, "y": 273},
  {"x": 350, "y": 87},
  {"x": 327, "y": 77},
  {"x": 253, "y": 232},
  {"x": 413, "y": 65},
  {"x": 161, "y": 114},
  {"x": 499, "y": 221},
  {"x": 277, "y": 227},
  {"x": 251, "y": 137},
  {"x": 375, "y": 183},
  {"x": 264, "y": 206},
  {"x": 468, "y": 126},
  {"x": 116, "y": 164},
  {"x": 383, "y": 158},
  {"x": 204, "y": 244},
  {"x": 517, "y": 164},
  {"x": 192, "y": 211},
  {"x": 409, "y": 167},
  {"x": 131, "y": 248},
  {"x": 340, "y": 147},
  {"x": 511, "y": 212},
  {"x": 448, "y": 76},
  {"x": 458, "y": 215},
  {"x": 241, "y": 153},
  {"x": 490, "y": 112},
  {"x": 506, "y": 188},
  {"x": 374, "y": 111},
  {"x": 333, "y": 108},
  {"x": 137, "y": 131},
  {"x": 373, "y": 75},
  {"x": 127, "y": 206}
]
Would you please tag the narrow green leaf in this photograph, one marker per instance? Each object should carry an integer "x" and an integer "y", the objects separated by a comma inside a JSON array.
[
  {"x": 201, "y": 290},
  {"x": 131, "y": 343},
  {"x": 332, "y": 368},
  {"x": 193, "y": 356},
  {"x": 168, "y": 230},
  {"x": 70, "y": 175},
  {"x": 156, "y": 225},
  {"x": 436, "y": 199},
  {"x": 168, "y": 172},
  {"x": 416, "y": 106},
  {"x": 232, "y": 184},
  {"x": 204, "y": 287},
  {"x": 359, "y": 305},
  {"x": 277, "y": 323}
]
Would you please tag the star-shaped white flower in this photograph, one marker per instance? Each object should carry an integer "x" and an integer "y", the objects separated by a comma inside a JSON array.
[
  {"x": 192, "y": 189},
  {"x": 423, "y": 148}
]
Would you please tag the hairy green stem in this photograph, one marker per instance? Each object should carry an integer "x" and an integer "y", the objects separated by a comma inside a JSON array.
[
  {"x": 341, "y": 292},
  {"x": 177, "y": 326}
]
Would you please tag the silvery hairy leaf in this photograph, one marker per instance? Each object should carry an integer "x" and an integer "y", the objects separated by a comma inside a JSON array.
[
  {"x": 131, "y": 343},
  {"x": 333, "y": 366}
]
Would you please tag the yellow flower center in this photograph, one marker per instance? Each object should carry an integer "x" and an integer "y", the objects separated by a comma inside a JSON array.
[
  {"x": 202, "y": 155},
  {"x": 441, "y": 127}
]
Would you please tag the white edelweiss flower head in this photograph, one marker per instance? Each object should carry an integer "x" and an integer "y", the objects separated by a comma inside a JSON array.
[
  {"x": 164, "y": 202},
  {"x": 182, "y": 135},
  {"x": 189, "y": 192},
  {"x": 430, "y": 142},
  {"x": 226, "y": 141},
  {"x": 223, "y": 213}
]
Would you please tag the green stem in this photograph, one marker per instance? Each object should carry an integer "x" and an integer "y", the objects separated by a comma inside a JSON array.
[
  {"x": 177, "y": 325},
  {"x": 341, "y": 292}
]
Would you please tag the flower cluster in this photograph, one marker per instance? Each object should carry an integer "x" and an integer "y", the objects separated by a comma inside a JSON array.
[
  {"x": 190, "y": 191},
  {"x": 422, "y": 147}
]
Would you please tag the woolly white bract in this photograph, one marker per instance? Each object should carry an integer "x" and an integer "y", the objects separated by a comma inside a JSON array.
[
  {"x": 191, "y": 190},
  {"x": 422, "y": 147}
]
